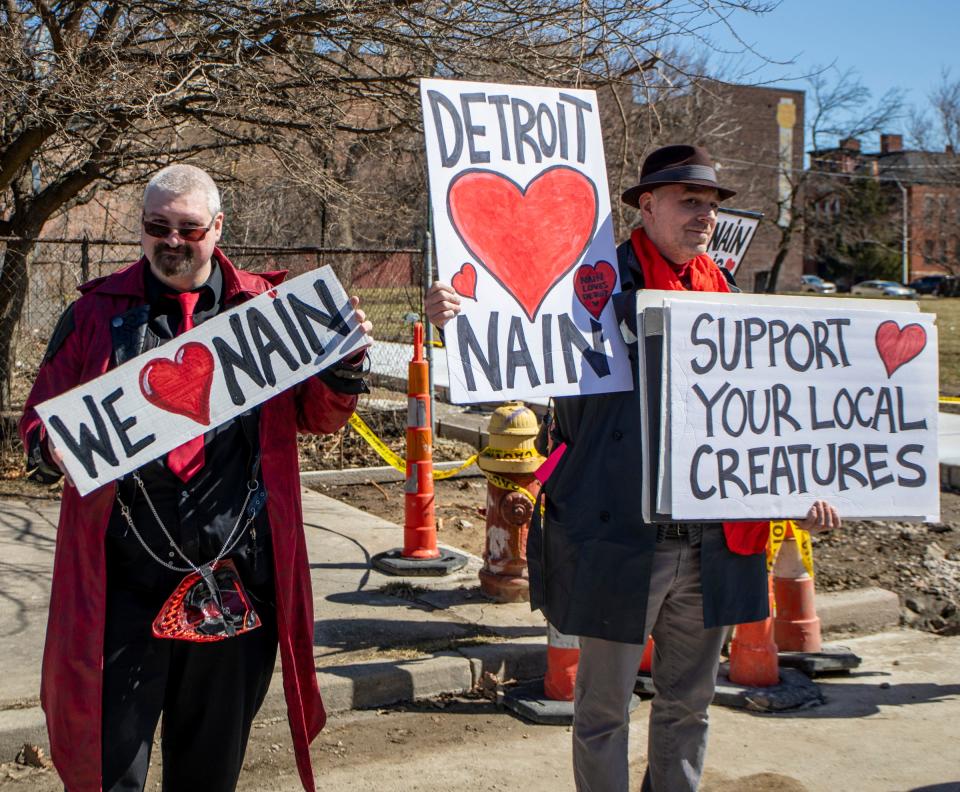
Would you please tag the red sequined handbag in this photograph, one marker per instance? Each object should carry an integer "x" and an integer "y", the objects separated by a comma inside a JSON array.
[{"x": 208, "y": 605}]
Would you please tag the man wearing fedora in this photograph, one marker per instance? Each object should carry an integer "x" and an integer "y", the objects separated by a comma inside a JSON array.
[{"x": 596, "y": 569}]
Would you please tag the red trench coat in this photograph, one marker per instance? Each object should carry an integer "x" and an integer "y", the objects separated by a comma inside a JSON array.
[{"x": 72, "y": 678}]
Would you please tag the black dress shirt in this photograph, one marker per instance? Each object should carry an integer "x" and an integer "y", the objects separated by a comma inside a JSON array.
[{"x": 199, "y": 514}]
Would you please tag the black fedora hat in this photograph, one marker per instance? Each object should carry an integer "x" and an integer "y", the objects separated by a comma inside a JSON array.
[{"x": 676, "y": 165}]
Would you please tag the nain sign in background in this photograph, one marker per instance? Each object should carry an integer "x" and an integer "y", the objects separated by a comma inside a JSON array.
[
  {"x": 771, "y": 410},
  {"x": 197, "y": 381},
  {"x": 524, "y": 235},
  {"x": 732, "y": 237}
]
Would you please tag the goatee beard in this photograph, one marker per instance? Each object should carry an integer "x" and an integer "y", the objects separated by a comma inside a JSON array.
[{"x": 180, "y": 263}]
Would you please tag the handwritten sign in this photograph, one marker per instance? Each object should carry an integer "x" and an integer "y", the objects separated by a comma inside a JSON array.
[
  {"x": 771, "y": 411},
  {"x": 149, "y": 405},
  {"x": 524, "y": 235},
  {"x": 732, "y": 237}
]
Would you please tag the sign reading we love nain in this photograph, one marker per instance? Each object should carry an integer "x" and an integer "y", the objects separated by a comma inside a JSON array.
[
  {"x": 524, "y": 235},
  {"x": 141, "y": 410}
]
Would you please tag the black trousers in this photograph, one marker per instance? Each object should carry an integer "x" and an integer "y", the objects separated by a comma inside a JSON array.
[{"x": 208, "y": 694}]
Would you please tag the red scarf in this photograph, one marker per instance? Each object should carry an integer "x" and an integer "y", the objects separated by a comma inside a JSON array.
[
  {"x": 744, "y": 537},
  {"x": 658, "y": 273}
]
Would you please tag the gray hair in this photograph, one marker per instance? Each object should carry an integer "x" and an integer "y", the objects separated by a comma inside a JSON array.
[{"x": 182, "y": 179}]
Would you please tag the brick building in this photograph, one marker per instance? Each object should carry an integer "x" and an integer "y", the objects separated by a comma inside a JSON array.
[
  {"x": 761, "y": 160},
  {"x": 929, "y": 182}
]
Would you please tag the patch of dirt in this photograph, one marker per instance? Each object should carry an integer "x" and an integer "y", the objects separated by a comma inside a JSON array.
[
  {"x": 460, "y": 507},
  {"x": 919, "y": 561}
]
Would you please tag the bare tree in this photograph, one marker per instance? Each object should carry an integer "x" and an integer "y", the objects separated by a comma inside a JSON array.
[
  {"x": 838, "y": 107},
  {"x": 937, "y": 126},
  {"x": 96, "y": 95}
]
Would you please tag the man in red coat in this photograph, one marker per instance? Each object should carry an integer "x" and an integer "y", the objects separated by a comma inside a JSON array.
[{"x": 126, "y": 547}]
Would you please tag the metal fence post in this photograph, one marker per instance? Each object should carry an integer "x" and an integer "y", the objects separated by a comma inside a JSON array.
[
  {"x": 85, "y": 258},
  {"x": 427, "y": 282}
]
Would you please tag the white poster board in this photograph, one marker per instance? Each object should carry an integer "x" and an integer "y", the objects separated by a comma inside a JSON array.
[
  {"x": 524, "y": 234},
  {"x": 732, "y": 236},
  {"x": 142, "y": 409},
  {"x": 772, "y": 410}
]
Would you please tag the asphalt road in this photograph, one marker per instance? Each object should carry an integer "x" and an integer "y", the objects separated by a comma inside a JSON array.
[{"x": 891, "y": 727}]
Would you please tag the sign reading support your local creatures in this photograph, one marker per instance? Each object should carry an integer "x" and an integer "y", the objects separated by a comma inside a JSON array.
[
  {"x": 772, "y": 410},
  {"x": 524, "y": 235},
  {"x": 150, "y": 405}
]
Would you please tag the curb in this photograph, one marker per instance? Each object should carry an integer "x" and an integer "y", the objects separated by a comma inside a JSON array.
[
  {"x": 949, "y": 476},
  {"x": 381, "y": 475},
  {"x": 380, "y": 683}
]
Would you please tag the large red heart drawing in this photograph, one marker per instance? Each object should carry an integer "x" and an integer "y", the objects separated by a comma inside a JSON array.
[
  {"x": 528, "y": 239},
  {"x": 181, "y": 385},
  {"x": 594, "y": 285},
  {"x": 465, "y": 281},
  {"x": 898, "y": 345}
]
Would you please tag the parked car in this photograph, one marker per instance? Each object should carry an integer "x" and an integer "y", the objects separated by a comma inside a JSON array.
[
  {"x": 814, "y": 283},
  {"x": 928, "y": 284},
  {"x": 882, "y": 288},
  {"x": 948, "y": 287}
]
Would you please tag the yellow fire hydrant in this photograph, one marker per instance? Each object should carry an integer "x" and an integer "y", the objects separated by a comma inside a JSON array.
[{"x": 508, "y": 462}]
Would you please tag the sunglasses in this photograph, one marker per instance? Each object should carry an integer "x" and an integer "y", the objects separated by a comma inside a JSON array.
[{"x": 161, "y": 231}]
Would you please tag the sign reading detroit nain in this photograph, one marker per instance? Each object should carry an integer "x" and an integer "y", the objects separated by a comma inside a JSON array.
[{"x": 524, "y": 235}]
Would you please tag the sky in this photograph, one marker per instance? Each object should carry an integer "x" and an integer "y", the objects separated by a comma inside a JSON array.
[{"x": 902, "y": 43}]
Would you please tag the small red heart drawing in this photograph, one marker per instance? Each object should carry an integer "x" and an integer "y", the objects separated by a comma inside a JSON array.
[
  {"x": 273, "y": 294},
  {"x": 465, "y": 281},
  {"x": 730, "y": 264},
  {"x": 898, "y": 345},
  {"x": 181, "y": 385},
  {"x": 528, "y": 239},
  {"x": 594, "y": 285}
]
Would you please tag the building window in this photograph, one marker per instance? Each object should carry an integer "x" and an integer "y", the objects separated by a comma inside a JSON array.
[
  {"x": 928, "y": 251},
  {"x": 928, "y": 203}
]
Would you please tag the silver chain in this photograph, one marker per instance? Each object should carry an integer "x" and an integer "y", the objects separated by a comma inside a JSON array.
[{"x": 229, "y": 543}]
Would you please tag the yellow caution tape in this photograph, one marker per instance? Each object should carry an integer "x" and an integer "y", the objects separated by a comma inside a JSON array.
[
  {"x": 510, "y": 453},
  {"x": 505, "y": 483},
  {"x": 439, "y": 475},
  {"x": 392, "y": 459},
  {"x": 950, "y": 399},
  {"x": 395, "y": 460},
  {"x": 778, "y": 531},
  {"x": 805, "y": 546}
]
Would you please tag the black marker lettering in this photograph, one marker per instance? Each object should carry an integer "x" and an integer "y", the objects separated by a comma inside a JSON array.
[{"x": 122, "y": 427}]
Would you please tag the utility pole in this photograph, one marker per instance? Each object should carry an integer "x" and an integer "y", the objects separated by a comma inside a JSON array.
[{"x": 904, "y": 231}]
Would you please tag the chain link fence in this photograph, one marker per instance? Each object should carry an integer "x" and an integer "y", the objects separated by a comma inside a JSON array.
[{"x": 389, "y": 282}]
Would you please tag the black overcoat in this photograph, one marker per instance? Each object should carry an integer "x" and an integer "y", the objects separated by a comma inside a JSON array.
[{"x": 590, "y": 555}]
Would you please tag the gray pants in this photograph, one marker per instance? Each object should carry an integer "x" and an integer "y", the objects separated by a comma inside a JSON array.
[{"x": 685, "y": 660}]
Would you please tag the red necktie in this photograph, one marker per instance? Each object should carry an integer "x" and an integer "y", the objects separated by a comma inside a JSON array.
[{"x": 185, "y": 460}]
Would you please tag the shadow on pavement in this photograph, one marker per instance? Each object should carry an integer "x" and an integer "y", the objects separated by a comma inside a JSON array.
[{"x": 855, "y": 700}]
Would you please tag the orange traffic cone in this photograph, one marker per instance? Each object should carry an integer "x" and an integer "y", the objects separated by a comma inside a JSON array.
[
  {"x": 563, "y": 656},
  {"x": 646, "y": 662},
  {"x": 796, "y": 626},
  {"x": 419, "y": 524},
  {"x": 420, "y": 554},
  {"x": 753, "y": 654}
]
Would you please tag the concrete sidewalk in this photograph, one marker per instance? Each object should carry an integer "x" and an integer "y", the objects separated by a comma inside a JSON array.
[{"x": 378, "y": 639}]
